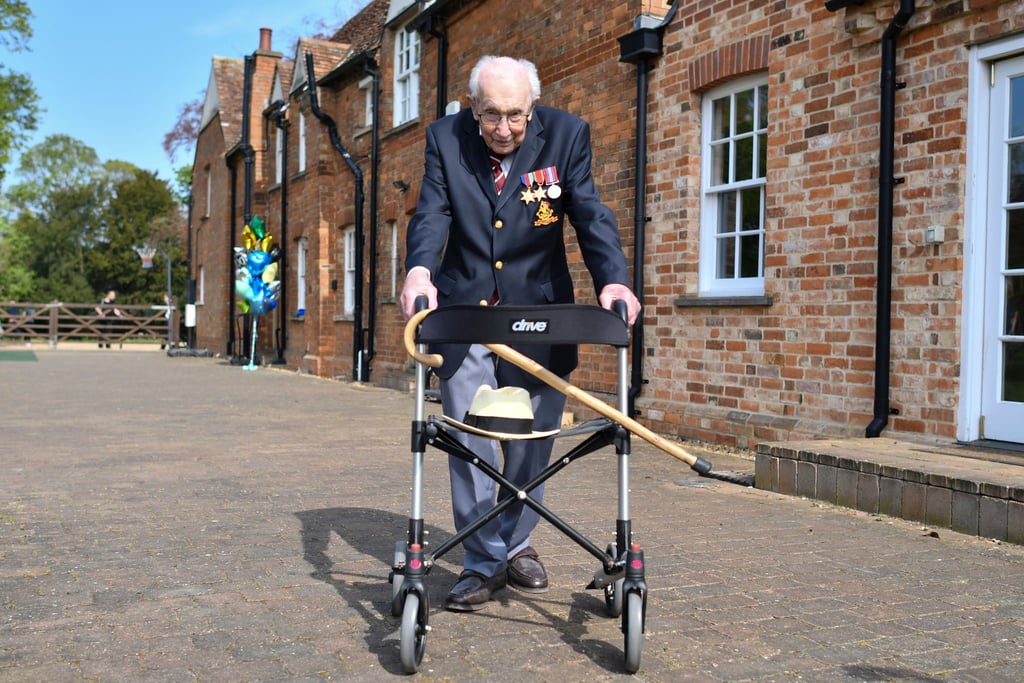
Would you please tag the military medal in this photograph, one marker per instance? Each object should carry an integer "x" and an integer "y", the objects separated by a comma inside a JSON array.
[
  {"x": 551, "y": 180},
  {"x": 540, "y": 184}
]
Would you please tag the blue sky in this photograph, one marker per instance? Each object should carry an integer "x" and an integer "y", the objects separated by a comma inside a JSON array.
[{"x": 114, "y": 74}]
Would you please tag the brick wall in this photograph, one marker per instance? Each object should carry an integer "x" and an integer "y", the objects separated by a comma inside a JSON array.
[{"x": 801, "y": 366}]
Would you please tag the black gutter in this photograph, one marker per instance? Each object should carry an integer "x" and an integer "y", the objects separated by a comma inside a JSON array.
[
  {"x": 358, "y": 359},
  {"x": 281, "y": 334},
  {"x": 886, "y": 183},
  {"x": 439, "y": 32},
  {"x": 641, "y": 47},
  {"x": 371, "y": 316},
  {"x": 230, "y": 351},
  {"x": 247, "y": 155},
  {"x": 190, "y": 287},
  {"x": 247, "y": 151}
]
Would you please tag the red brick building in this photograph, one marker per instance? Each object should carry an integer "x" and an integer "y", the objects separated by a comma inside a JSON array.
[{"x": 821, "y": 199}]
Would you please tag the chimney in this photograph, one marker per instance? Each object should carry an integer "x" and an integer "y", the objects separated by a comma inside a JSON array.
[{"x": 265, "y": 40}]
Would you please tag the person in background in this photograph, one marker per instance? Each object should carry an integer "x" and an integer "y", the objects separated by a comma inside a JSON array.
[
  {"x": 108, "y": 311},
  {"x": 500, "y": 180}
]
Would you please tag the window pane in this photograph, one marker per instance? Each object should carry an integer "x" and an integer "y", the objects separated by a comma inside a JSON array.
[
  {"x": 727, "y": 212},
  {"x": 1017, "y": 107},
  {"x": 762, "y": 107},
  {"x": 762, "y": 154},
  {"x": 1015, "y": 239},
  {"x": 750, "y": 255},
  {"x": 745, "y": 111},
  {"x": 720, "y": 119},
  {"x": 720, "y": 164},
  {"x": 1015, "y": 181},
  {"x": 726, "y": 257},
  {"x": 750, "y": 216},
  {"x": 744, "y": 158},
  {"x": 1014, "y": 309},
  {"x": 1013, "y": 372}
]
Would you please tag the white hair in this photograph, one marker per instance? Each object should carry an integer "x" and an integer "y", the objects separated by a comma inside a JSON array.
[{"x": 491, "y": 60}]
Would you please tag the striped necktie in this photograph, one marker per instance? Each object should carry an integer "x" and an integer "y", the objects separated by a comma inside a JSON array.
[{"x": 499, "y": 175}]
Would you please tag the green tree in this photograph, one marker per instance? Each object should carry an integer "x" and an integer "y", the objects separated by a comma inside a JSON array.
[
  {"x": 76, "y": 221},
  {"x": 141, "y": 209},
  {"x": 19, "y": 102}
]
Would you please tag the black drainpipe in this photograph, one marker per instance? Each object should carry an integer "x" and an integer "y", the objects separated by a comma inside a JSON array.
[
  {"x": 371, "y": 316},
  {"x": 282, "y": 305},
  {"x": 230, "y": 352},
  {"x": 435, "y": 27},
  {"x": 641, "y": 47},
  {"x": 249, "y": 161},
  {"x": 358, "y": 357},
  {"x": 886, "y": 183}
]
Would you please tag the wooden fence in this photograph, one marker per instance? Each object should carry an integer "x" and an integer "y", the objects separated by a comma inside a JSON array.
[{"x": 60, "y": 322}]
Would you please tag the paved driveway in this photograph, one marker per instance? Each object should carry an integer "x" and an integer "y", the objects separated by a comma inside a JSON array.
[{"x": 181, "y": 519}]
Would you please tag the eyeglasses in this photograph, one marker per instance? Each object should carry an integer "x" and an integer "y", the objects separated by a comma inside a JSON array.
[{"x": 492, "y": 119}]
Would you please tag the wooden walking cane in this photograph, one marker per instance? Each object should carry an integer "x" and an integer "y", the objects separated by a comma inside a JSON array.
[{"x": 699, "y": 465}]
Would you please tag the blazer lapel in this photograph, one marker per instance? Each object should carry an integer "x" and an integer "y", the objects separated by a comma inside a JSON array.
[
  {"x": 524, "y": 159},
  {"x": 474, "y": 156}
]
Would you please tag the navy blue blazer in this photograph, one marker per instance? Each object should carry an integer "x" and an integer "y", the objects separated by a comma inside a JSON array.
[{"x": 476, "y": 243}]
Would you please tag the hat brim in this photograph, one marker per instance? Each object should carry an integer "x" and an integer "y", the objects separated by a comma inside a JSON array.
[{"x": 500, "y": 436}]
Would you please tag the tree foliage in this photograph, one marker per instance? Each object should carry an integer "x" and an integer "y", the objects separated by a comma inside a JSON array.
[
  {"x": 75, "y": 223},
  {"x": 19, "y": 102}
]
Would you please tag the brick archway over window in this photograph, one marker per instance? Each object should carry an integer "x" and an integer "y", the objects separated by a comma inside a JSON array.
[{"x": 737, "y": 59}]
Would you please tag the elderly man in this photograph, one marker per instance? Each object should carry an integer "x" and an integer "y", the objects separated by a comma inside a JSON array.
[{"x": 500, "y": 180}]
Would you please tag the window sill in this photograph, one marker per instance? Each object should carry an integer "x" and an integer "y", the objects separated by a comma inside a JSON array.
[
  {"x": 343, "y": 318},
  {"x": 721, "y": 301}
]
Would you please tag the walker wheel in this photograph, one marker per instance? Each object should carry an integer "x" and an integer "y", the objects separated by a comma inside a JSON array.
[
  {"x": 397, "y": 579},
  {"x": 633, "y": 631},
  {"x": 412, "y": 639}
]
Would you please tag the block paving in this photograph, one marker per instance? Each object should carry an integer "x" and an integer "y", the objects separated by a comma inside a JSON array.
[{"x": 182, "y": 519}]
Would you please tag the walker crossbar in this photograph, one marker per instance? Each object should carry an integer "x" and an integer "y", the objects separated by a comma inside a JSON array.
[{"x": 439, "y": 436}]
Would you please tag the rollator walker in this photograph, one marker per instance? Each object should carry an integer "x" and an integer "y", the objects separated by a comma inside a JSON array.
[{"x": 621, "y": 572}]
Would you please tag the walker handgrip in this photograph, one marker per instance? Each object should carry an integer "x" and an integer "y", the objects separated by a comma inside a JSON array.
[
  {"x": 620, "y": 309},
  {"x": 432, "y": 360}
]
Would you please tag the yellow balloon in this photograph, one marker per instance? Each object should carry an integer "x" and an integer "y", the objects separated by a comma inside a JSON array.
[
  {"x": 267, "y": 243},
  {"x": 270, "y": 272}
]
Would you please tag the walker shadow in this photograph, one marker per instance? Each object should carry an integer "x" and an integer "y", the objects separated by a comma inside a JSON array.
[{"x": 368, "y": 532}]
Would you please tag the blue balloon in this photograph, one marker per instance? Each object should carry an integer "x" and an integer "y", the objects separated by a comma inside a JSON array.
[{"x": 258, "y": 261}]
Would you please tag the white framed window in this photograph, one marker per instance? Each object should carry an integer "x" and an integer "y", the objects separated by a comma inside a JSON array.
[
  {"x": 349, "y": 291},
  {"x": 200, "y": 285},
  {"x": 407, "y": 77},
  {"x": 278, "y": 154},
  {"x": 301, "y": 254},
  {"x": 393, "y": 229},
  {"x": 366, "y": 87},
  {"x": 302, "y": 142},
  {"x": 734, "y": 139}
]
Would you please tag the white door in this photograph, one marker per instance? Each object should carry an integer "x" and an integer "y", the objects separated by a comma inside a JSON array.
[{"x": 1002, "y": 400}]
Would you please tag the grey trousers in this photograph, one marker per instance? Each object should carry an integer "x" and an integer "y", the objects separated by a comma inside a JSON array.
[{"x": 473, "y": 493}]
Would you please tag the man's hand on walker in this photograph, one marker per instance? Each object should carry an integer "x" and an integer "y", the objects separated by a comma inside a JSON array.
[
  {"x": 417, "y": 284},
  {"x": 616, "y": 292}
]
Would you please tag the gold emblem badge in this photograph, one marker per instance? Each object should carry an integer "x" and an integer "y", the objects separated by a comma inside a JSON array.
[{"x": 545, "y": 216}]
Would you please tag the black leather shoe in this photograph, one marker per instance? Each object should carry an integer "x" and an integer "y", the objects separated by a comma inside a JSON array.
[
  {"x": 473, "y": 591},
  {"x": 526, "y": 573}
]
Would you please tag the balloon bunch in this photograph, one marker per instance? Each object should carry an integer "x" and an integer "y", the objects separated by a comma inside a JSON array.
[{"x": 256, "y": 264}]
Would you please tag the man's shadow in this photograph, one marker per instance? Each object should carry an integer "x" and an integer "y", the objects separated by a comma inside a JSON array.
[{"x": 368, "y": 533}]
